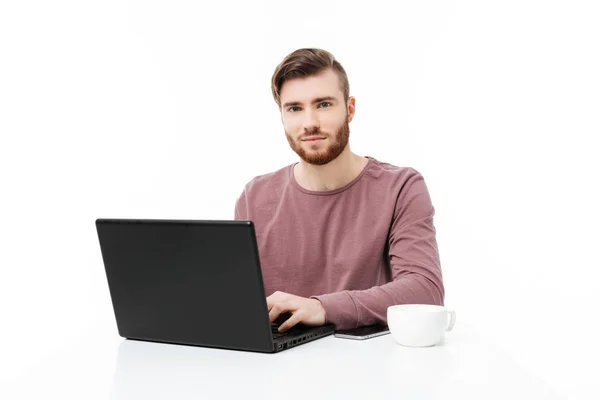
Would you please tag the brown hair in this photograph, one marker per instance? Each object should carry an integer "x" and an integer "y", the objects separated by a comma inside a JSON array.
[{"x": 307, "y": 62}]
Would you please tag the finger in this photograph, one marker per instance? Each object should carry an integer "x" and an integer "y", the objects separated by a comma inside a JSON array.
[
  {"x": 290, "y": 322},
  {"x": 276, "y": 310},
  {"x": 273, "y": 299}
]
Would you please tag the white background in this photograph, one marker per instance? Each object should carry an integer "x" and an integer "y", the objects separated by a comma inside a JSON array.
[{"x": 163, "y": 109}]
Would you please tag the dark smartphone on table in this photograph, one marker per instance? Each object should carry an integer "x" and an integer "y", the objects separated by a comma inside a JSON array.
[{"x": 363, "y": 332}]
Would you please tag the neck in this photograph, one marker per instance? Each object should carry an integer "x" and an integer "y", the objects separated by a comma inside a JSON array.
[{"x": 333, "y": 175}]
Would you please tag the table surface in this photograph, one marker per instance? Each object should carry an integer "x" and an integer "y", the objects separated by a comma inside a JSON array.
[{"x": 464, "y": 365}]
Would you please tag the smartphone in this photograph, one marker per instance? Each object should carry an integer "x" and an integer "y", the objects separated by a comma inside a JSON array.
[{"x": 363, "y": 332}]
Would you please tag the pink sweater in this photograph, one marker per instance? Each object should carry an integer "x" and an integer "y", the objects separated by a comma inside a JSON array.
[{"x": 358, "y": 249}]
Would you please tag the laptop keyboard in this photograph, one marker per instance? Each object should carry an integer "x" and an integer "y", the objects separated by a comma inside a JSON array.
[{"x": 276, "y": 334}]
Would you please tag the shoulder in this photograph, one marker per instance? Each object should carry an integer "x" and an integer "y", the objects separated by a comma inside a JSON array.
[
  {"x": 268, "y": 185},
  {"x": 268, "y": 181},
  {"x": 394, "y": 175},
  {"x": 260, "y": 189},
  {"x": 405, "y": 184}
]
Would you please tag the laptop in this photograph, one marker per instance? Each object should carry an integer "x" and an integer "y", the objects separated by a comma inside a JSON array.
[{"x": 192, "y": 282}]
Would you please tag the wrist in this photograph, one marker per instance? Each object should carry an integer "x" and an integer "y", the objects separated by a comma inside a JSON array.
[{"x": 322, "y": 311}]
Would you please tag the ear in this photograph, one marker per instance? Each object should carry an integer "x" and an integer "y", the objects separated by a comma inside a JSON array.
[{"x": 351, "y": 108}]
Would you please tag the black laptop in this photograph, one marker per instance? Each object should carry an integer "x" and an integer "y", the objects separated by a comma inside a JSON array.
[{"x": 194, "y": 283}]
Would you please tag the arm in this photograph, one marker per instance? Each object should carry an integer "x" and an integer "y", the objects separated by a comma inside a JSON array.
[
  {"x": 241, "y": 212},
  {"x": 414, "y": 262}
]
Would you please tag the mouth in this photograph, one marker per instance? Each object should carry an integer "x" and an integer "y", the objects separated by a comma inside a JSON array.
[{"x": 313, "y": 139}]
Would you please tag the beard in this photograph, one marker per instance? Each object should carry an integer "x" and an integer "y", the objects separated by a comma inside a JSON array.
[{"x": 337, "y": 144}]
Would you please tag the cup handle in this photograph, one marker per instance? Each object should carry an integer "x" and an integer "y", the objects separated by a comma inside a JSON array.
[{"x": 452, "y": 315}]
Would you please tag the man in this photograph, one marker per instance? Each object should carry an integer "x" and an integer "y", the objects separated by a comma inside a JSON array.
[{"x": 341, "y": 237}]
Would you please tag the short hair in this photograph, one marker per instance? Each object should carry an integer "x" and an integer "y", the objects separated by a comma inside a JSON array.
[{"x": 307, "y": 62}]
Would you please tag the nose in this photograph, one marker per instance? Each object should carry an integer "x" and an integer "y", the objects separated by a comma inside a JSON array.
[{"x": 311, "y": 122}]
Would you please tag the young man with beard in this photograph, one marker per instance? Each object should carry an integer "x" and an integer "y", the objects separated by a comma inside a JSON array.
[{"x": 341, "y": 237}]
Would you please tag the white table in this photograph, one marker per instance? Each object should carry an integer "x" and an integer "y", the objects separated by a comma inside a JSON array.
[{"x": 105, "y": 366}]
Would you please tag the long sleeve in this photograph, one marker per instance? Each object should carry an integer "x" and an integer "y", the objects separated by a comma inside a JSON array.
[
  {"x": 414, "y": 262},
  {"x": 241, "y": 209}
]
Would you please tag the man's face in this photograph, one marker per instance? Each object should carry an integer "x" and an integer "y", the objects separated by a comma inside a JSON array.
[{"x": 315, "y": 117}]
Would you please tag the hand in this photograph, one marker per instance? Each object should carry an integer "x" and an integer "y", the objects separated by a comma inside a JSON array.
[{"x": 307, "y": 311}]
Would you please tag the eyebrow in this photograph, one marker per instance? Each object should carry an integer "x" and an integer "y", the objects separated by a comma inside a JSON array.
[{"x": 317, "y": 100}]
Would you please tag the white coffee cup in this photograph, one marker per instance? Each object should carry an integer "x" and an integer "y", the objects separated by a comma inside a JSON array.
[{"x": 419, "y": 325}]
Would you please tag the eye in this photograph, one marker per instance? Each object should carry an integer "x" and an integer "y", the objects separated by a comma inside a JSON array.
[
  {"x": 292, "y": 109},
  {"x": 326, "y": 102}
]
